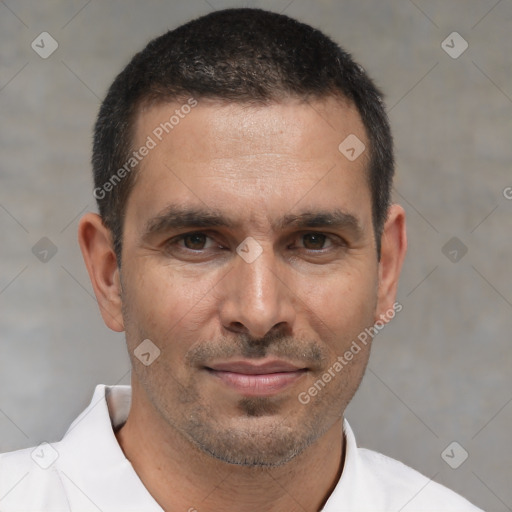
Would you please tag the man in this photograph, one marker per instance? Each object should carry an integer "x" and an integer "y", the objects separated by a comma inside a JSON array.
[{"x": 245, "y": 244}]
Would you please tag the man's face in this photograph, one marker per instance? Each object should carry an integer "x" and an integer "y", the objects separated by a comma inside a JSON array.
[{"x": 242, "y": 334}]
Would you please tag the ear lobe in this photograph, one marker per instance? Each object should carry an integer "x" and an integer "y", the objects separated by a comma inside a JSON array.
[
  {"x": 393, "y": 249},
  {"x": 97, "y": 250}
]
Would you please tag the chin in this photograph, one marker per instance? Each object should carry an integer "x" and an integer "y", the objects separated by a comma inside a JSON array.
[{"x": 264, "y": 442}]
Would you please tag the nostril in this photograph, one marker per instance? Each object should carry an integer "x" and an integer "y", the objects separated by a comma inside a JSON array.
[{"x": 237, "y": 327}]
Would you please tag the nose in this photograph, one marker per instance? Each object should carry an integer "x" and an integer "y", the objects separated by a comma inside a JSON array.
[{"x": 256, "y": 298}]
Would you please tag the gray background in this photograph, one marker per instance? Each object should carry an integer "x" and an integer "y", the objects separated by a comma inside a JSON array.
[{"x": 440, "y": 372}]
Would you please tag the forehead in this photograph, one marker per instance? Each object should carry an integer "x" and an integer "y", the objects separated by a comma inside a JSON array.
[
  {"x": 253, "y": 160},
  {"x": 297, "y": 126}
]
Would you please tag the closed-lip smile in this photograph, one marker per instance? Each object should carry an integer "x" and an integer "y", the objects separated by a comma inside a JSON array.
[{"x": 257, "y": 379}]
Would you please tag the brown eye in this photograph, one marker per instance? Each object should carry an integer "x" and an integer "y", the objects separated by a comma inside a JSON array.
[
  {"x": 194, "y": 241},
  {"x": 314, "y": 241}
]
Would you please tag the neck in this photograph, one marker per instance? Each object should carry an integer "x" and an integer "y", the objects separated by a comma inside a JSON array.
[{"x": 180, "y": 477}]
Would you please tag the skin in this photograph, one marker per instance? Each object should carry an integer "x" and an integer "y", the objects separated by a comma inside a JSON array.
[{"x": 195, "y": 441}]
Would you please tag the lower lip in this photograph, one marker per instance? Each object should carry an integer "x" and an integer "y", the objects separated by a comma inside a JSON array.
[{"x": 258, "y": 385}]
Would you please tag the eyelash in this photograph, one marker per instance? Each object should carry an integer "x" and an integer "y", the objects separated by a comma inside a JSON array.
[
  {"x": 336, "y": 241},
  {"x": 179, "y": 238}
]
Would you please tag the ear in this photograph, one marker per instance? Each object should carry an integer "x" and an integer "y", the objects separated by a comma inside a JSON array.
[
  {"x": 393, "y": 249},
  {"x": 97, "y": 250}
]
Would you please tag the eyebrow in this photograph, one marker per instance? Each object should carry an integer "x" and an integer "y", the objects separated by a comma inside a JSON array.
[
  {"x": 177, "y": 217},
  {"x": 336, "y": 219}
]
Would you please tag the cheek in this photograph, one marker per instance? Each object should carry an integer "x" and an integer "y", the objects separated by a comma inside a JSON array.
[
  {"x": 342, "y": 304},
  {"x": 159, "y": 302}
]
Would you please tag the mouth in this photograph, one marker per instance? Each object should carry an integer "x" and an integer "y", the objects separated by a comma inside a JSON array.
[{"x": 251, "y": 379}]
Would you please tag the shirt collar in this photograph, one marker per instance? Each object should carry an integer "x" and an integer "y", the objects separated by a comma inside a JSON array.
[
  {"x": 347, "y": 488},
  {"x": 93, "y": 468}
]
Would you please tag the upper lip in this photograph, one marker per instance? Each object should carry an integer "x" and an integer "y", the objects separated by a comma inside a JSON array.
[{"x": 252, "y": 368}]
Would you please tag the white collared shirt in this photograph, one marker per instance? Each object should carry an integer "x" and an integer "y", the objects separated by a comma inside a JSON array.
[{"x": 87, "y": 471}]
